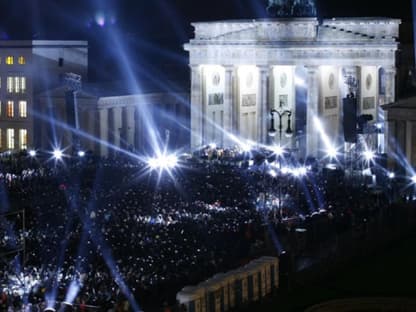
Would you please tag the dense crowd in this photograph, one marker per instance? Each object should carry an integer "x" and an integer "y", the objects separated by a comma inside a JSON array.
[{"x": 101, "y": 232}]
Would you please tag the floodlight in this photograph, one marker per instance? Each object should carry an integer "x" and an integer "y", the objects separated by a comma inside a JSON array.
[
  {"x": 299, "y": 172},
  {"x": 213, "y": 145},
  {"x": 285, "y": 170},
  {"x": 303, "y": 171},
  {"x": 246, "y": 147},
  {"x": 414, "y": 179},
  {"x": 273, "y": 173},
  {"x": 163, "y": 162},
  {"x": 391, "y": 175},
  {"x": 57, "y": 154},
  {"x": 81, "y": 153},
  {"x": 278, "y": 150},
  {"x": 152, "y": 163},
  {"x": 368, "y": 155},
  {"x": 32, "y": 153},
  {"x": 331, "y": 152}
]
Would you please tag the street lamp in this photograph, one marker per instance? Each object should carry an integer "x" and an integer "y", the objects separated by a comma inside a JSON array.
[
  {"x": 288, "y": 133},
  {"x": 280, "y": 113}
]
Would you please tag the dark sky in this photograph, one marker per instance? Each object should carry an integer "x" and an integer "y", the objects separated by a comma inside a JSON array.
[{"x": 151, "y": 32}]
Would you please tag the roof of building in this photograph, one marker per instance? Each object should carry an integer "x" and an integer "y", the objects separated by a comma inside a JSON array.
[
  {"x": 117, "y": 89},
  {"x": 407, "y": 103},
  {"x": 120, "y": 88},
  {"x": 42, "y": 43}
]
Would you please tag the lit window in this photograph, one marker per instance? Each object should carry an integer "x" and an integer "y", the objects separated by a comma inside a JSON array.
[
  {"x": 23, "y": 139},
  {"x": 16, "y": 84},
  {"x": 23, "y": 109},
  {"x": 10, "y": 138},
  {"x": 9, "y": 60},
  {"x": 23, "y": 84},
  {"x": 22, "y": 60},
  {"x": 9, "y": 84},
  {"x": 10, "y": 109}
]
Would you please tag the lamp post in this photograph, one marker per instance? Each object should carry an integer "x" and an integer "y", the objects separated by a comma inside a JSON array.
[
  {"x": 280, "y": 114},
  {"x": 272, "y": 132}
]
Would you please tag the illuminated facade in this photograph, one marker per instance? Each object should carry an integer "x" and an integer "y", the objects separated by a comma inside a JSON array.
[
  {"x": 27, "y": 68},
  {"x": 241, "y": 70},
  {"x": 401, "y": 125},
  {"x": 110, "y": 124}
]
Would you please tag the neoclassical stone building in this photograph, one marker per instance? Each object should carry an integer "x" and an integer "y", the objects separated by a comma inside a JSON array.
[
  {"x": 241, "y": 70},
  {"x": 110, "y": 124}
]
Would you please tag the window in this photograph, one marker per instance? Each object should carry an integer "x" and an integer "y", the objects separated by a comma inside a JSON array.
[
  {"x": 9, "y": 84},
  {"x": 23, "y": 109},
  {"x": 23, "y": 139},
  {"x": 16, "y": 84},
  {"x": 10, "y": 109},
  {"x": 23, "y": 84},
  {"x": 10, "y": 138},
  {"x": 9, "y": 60},
  {"x": 21, "y": 60}
]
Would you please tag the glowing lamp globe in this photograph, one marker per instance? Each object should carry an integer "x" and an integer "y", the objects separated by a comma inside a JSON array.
[{"x": 272, "y": 132}]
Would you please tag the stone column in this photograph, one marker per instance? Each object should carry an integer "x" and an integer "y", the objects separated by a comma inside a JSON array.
[
  {"x": 103, "y": 117},
  {"x": 129, "y": 110},
  {"x": 312, "y": 110},
  {"x": 389, "y": 97},
  {"x": 390, "y": 76},
  {"x": 264, "y": 73},
  {"x": 408, "y": 140},
  {"x": 390, "y": 141},
  {"x": 89, "y": 144},
  {"x": 228, "y": 104},
  {"x": 196, "y": 107},
  {"x": 117, "y": 125}
]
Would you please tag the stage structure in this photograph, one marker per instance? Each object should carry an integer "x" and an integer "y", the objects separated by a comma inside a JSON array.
[{"x": 242, "y": 70}]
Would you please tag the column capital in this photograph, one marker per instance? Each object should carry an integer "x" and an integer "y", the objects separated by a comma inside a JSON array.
[
  {"x": 229, "y": 67},
  {"x": 194, "y": 66},
  {"x": 390, "y": 69},
  {"x": 350, "y": 70},
  {"x": 312, "y": 69},
  {"x": 264, "y": 68}
]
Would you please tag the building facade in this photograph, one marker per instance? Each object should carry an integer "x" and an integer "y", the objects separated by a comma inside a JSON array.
[
  {"x": 115, "y": 124},
  {"x": 27, "y": 68},
  {"x": 401, "y": 125},
  {"x": 241, "y": 70}
]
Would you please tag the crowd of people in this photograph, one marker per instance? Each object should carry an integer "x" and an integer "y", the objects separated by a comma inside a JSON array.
[{"x": 115, "y": 235}]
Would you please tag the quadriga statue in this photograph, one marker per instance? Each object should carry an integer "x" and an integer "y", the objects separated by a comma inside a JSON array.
[{"x": 291, "y": 8}]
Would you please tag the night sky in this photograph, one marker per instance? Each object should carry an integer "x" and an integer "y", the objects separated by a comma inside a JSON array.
[{"x": 151, "y": 32}]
